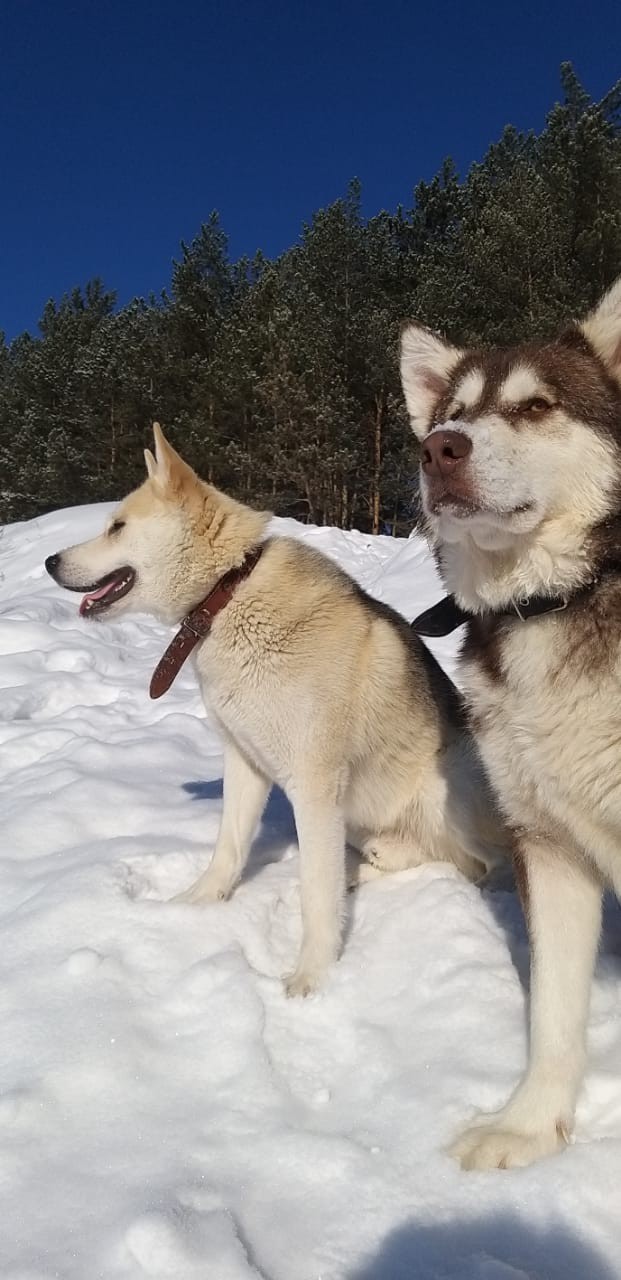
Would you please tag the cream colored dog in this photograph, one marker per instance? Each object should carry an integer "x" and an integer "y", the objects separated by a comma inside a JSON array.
[{"x": 314, "y": 685}]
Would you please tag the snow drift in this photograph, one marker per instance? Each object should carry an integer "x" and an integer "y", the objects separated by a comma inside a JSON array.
[{"x": 164, "y": 1109}]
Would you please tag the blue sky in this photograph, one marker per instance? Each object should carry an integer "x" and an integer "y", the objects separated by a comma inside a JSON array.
[{"x": 124, "y": 124}]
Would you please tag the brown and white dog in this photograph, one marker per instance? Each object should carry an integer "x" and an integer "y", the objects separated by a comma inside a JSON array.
[{"x": 521, "y": 481}]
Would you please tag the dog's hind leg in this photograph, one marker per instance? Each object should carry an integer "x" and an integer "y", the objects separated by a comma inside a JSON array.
[
  {"x": 321, "y": 835},
  {"x": 563, "y": 905},
  {"x": 245, "y": 793},
  {"x": 388, "y": 852}
]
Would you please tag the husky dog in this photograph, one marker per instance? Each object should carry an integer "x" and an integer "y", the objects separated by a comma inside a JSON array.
[
  {"x": 314, "y": 685},
  {"x": 521, "y": 481}
]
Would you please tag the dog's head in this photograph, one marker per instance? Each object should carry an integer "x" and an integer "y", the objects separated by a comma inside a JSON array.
[
  {"x": 514, "y": 438},
  {"x": 163, "y": 548}
]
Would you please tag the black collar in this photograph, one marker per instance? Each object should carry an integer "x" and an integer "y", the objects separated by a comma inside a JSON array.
[{"x": 447, "y": 615}]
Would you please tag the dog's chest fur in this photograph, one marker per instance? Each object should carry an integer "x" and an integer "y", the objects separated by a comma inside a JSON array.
[
  {"x": 245, "y": 675},
  {"x": 282, "y": 662},
  {"x": 546, "y": 710}
]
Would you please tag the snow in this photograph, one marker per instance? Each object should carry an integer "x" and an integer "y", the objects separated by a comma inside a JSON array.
[{"x": 164, "y": 1110}]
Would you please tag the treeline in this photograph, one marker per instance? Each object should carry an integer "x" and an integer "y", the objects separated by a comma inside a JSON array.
[{"x": 279, "y": 378}]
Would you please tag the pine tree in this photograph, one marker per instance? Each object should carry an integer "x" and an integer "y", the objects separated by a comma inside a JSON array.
[{"x": 279, "y": 378}]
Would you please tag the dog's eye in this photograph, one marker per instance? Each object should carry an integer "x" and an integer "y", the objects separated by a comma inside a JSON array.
[
  {"x": 116, "y": 526},
  {"x": 537, "y": 404}
]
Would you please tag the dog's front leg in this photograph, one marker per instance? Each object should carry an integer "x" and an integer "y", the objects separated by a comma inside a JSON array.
[
  {"x": 563, "y": 901},
  {"x": 245, "y": 791},
  {"x": 321, "y": 836}
]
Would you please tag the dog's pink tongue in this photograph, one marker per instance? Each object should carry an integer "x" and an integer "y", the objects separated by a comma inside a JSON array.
[{"x": 95, "y": 595}]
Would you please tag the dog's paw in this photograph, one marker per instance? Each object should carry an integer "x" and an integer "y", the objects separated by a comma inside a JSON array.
[
  {"x": 495, "y": 1147},
  {"x": 379, "y": 857},
  {"x": 202, "y": 892},
  {"x": 385, "y": 854},
  {"x": 302, "y": 983}
]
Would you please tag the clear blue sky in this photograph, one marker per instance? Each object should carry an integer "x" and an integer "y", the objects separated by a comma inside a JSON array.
[{"x": 124, "y": 124}]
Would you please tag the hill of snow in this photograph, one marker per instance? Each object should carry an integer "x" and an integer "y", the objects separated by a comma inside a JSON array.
[{"x": 165, "y": 1111}]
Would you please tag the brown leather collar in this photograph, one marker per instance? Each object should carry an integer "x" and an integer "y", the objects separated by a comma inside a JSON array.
[{"x": 197, "y": 624}]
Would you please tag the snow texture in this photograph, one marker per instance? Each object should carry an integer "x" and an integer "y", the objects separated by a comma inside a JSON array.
[{"x": 165, "y": 1111}]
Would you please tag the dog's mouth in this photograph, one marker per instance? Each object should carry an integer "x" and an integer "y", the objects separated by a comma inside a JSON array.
[
  {"x": 462, "y": 508},
  {"x": 453, "y": 504},
  {"x": 107, "y": 591}
]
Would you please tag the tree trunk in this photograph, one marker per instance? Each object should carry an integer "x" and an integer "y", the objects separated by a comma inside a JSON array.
[
  {"x": 112, "y": 438},
  {"x": 377, "y": 462},
  {"x": 311, "y": 505}
]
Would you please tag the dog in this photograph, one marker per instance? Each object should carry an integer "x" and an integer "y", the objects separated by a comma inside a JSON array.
[
  {"x": 314, "y": 685},
  {"x": 521, "y": 486}
]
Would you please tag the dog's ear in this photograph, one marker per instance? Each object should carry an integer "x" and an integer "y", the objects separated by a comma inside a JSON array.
[
  {"x": 151, "y": 464},
  {"x": 426, "y": 365},
  {"x": 167, "y": 469},
  {"x": 602, "y": 328}
]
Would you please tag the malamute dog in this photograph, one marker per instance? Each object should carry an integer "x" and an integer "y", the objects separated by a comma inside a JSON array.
[
  {"x": 521, "y": 480},
  {"x": 314, "y": 685}
]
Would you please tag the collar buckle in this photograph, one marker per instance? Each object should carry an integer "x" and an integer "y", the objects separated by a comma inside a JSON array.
[{"x": 186, "y": 625}]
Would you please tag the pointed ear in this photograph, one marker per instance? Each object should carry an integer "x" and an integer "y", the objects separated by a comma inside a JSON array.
[
  {"x": 167, "y": 469},
  {"x": 602, "y": 328},
  {"x": 426, "y": 364}
]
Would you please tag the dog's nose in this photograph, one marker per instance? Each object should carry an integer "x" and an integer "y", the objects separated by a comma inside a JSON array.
[
  {"x": 443, "y": 452},
  {"x": 52, "y": 564}
]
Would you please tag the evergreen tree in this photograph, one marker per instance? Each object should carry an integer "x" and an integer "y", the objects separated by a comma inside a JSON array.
[{"x": 279, "y": 378}]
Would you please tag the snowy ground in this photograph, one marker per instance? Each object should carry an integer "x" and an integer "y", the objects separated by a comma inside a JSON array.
[{"x": 164, "y": 1109}]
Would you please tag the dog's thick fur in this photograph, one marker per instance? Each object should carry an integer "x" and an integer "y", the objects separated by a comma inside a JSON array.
[
  {"x": 521, "y": 478},
  {"x": 314, "y": 685}
]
